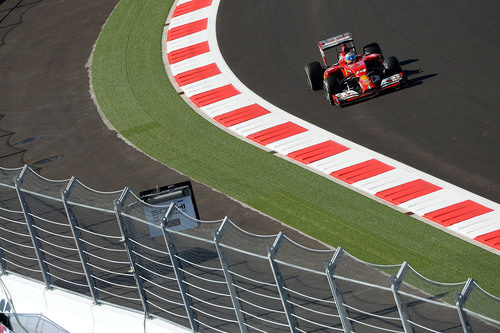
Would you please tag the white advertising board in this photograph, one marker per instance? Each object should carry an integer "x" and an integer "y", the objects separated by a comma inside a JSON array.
[{"x": 158, "y": 207}]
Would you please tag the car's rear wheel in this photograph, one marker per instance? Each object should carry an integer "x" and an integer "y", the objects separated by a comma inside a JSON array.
[
  {"x": 314, "y": 73},
  {"x": 392, "y": 66},
  {"x": 331, "y": 86},
  {"x": 372, "y": 48}
]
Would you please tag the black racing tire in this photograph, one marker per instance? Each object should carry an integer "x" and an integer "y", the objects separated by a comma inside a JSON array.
[
  {"x": 372, "y": 48},
  {"x": 314, "y": 73},
  {"x": 392, "y": 66},
  {"x": 331, "y": 87}
]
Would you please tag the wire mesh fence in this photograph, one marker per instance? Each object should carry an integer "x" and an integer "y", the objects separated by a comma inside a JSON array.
[
  {"x": 162, "y": 296},
  {"x": 306, "y": 284},
  {"x": 212, "y": 276},
  {"x": 105, "y": 260}
]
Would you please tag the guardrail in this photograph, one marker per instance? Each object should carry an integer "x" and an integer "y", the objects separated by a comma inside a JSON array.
[{"x": 214, "y": 276}]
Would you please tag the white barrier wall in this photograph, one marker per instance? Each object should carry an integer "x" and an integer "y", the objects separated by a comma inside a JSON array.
[{"x": 77, "y": 314}]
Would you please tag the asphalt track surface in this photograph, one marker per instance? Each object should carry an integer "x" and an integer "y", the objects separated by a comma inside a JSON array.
[
  {"x": 445, "y": 123},
  {"x": 49, "y": 121}
]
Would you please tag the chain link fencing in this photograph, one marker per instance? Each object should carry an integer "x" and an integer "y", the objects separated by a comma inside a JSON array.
[{"x": 213, "y": 276}]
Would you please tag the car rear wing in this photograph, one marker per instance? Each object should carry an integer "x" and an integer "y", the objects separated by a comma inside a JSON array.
[{"x": 333, "y": 42}]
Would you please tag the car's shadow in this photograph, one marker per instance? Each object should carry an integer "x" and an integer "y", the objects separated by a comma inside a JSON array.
[{"x": 412, "y": 79}]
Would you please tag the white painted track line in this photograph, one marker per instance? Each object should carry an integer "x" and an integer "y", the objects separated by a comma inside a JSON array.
[
  {"x": 433, "y": 201},
  {"x": 257, "y": 124},
  {"x": 226, "y": 105},
  {"x": 385, "y": 181},
  {"x": 210, "y": 83},
  {"x": 340, "y": 161},
  {"x": 192, "y": 63},
  {"x": 478, "y": 225},
  {"x": 186, "y": 41},
  {"x": 296, "y": 142},
  {"x": 189, "y": 18}
]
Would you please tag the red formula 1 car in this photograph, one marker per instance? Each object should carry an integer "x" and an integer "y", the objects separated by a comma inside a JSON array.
[{"x": 353, "y": 77}]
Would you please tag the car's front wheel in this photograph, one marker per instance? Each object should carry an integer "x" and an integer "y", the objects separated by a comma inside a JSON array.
[
  {"x": 314, "y": 73},
  {"x": 372, "y": 48},
  {"x": 331, "y": 87},
  {"x": 392, "y": 66}
]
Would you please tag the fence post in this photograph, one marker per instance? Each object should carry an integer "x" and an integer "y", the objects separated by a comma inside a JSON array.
[
  {"x": 396, "y": 282},
  {"x": 337, "y": 295},
  {"x": 280, "y": 282},
  {"x": 229, "y": 279},
  {"x": 461, "y": 298},
  {"x": 76, "y": 235},
  {"x": 3, "y": 267},
  {"x": 131, "y": 256},
  {"x": 29, "y": 222},
  {"x": 177, "y": 271}
]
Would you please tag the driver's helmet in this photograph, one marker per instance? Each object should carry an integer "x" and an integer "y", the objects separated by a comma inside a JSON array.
[{"x": 350, "y": 57}]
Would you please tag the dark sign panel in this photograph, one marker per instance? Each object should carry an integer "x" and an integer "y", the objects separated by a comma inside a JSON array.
[{"x": 160, "y": 198}]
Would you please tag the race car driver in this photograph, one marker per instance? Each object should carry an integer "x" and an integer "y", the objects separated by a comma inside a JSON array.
[{"x": 350, "y": 58}]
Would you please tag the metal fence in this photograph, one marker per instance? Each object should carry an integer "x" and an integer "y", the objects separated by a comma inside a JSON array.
[{"x": 214, "y": 276}]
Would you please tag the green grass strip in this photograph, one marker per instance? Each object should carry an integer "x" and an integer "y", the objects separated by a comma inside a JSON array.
[{"x": 136, "y": 96}]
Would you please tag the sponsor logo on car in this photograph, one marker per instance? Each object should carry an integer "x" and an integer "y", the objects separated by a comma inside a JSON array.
[
  {"x": 390, "y": 80},
  {"x": 346, "y": 95}
]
